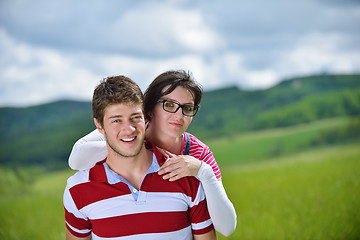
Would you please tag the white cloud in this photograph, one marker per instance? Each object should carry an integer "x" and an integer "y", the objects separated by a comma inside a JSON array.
[
  {"x": 318, "y": 52},
  {"x": 228, "y": 69},
  {"x": 160, "y": 28},
  {"x": 52, "y": 50},
  {"x": 36, "y": 75}
]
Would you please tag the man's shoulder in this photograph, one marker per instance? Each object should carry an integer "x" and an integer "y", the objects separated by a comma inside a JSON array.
[
  {"x": 78, "y": 178},
  {"x": 189, "y": 184}
]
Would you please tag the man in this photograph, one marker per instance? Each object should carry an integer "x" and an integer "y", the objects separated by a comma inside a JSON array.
[{"x": 123, "y": 197}]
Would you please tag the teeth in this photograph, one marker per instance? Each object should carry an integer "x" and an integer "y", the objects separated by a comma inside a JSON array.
[{"x": 128, "y": 139}]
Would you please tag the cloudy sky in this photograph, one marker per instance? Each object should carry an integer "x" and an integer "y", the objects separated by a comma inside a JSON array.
[{"x": 52, "y": 50}]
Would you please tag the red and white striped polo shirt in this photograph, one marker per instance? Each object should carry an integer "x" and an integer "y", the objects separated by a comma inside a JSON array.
[
  {"x": 96, "y": 204},
  {"x": 201, "y": 151}
]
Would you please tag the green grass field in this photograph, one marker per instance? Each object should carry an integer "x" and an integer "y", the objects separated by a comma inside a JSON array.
[
  {"x": 308, "y": 194},
  {"x": 312, "y": 195}
]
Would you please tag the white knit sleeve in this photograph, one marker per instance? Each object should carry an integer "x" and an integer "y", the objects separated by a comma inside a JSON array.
[
  {"x": 87, "y": 151},
  {"x": 221, "y": 210}
]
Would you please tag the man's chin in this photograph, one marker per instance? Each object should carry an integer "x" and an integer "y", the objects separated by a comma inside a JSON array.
[{"x": 128, "y": 154}]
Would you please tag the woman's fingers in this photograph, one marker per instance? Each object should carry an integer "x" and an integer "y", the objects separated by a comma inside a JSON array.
[
  {"x": 164, "y": 152},
  {"x": 169, "y": 154},
  {"x": 170, "y": 165},
  {"x": 174, "y": 175},
  {"x": 177, "y": 167}
]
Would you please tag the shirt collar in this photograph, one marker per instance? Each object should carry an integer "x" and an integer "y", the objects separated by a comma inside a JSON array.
[
  {"x": 101, "y": 171},
  {"x": 113, "y": 178}
]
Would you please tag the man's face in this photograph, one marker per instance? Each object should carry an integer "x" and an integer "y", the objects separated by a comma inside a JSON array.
[{"x": 124, "y": 128}]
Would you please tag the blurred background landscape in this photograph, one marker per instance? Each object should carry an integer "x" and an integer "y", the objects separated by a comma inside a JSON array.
[
  {"x": 43, "y": 135},
  {"x": 289, "y": 156},
  {"x": 280, "y": 111}
]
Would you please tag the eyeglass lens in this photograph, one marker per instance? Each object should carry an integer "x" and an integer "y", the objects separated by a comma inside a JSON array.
[{"x": 173, "y": 107}]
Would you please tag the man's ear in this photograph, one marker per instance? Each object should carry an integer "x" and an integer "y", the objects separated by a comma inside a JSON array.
[{"x": 98, "y": 126}]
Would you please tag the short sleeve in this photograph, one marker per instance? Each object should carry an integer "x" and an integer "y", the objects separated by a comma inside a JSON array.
[{"x": 77, "y": 224}]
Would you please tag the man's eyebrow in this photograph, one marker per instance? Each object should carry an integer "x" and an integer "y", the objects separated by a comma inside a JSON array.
[
  {"x": 116, "y": 116},
  {"x": 121, "y": 116},
  {"x": 136, "y": 114}
]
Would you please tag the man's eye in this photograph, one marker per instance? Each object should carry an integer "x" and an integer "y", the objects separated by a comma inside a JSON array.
[{"x": 137, "y": 118}]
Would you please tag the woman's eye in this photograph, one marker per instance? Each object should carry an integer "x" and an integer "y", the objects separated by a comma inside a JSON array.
[
  {"x": 169, "y": 105},
  {"x": 189, "y": 108}
]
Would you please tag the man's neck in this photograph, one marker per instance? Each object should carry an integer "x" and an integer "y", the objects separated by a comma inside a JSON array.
[{"x": 133, "y": 169}]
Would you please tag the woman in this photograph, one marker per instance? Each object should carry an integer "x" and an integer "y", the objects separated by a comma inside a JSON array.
[{"x": 171, "y": 101}]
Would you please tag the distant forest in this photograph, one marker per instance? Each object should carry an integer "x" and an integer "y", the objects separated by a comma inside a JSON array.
[
  {"x": 44, "y": 135},
  {"x": 300, "y": 100}
]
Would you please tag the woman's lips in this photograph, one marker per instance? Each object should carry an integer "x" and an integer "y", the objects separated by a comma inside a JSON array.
[{"x": 176, "y": 124}]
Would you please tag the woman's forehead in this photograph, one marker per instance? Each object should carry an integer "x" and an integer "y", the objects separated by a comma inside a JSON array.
[{"x": 180, "y": 94}]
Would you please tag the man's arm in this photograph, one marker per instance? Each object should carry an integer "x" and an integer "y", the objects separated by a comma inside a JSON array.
[
  {"x": 207, "y": 236},
  {"x": 69, "y": 236}
]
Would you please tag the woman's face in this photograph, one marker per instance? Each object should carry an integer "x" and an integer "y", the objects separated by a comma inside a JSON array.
[{"x": 172, "y": 124}]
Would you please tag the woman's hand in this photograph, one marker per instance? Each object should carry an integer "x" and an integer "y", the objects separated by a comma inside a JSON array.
[{"x": 179, "y": 166}]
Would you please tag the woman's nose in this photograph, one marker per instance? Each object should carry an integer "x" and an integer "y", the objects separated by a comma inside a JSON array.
[{"x": 179, "y": 112}]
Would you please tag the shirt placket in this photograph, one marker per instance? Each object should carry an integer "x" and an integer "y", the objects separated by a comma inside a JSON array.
[{"x": 138, "y": 195}]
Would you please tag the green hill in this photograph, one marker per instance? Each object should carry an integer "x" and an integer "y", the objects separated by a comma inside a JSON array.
[
  {"x": 230, "y": 111},
  {"x": 43, "y": 135}
]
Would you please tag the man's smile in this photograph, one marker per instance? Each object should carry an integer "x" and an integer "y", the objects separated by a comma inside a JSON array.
[{"x": 128, "y": 139}]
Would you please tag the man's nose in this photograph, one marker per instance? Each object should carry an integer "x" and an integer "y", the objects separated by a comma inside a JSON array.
[{"x": 128, "y": 128}]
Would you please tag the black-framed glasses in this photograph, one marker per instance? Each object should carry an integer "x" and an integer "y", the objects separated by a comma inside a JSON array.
[{"x": 173, "y": 107}]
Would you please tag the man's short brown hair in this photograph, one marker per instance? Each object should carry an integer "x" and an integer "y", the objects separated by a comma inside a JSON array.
[{"x": 114, "y": 90}]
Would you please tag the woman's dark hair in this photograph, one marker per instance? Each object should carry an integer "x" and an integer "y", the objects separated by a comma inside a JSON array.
[{"x": 172, "y": 79}]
